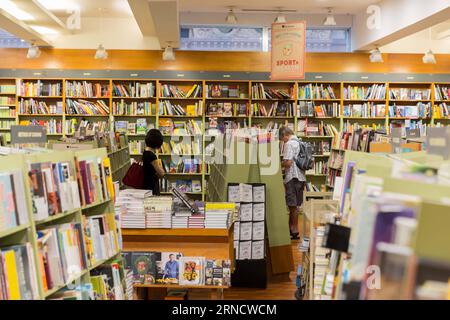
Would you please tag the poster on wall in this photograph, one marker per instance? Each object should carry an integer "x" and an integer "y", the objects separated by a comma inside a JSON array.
[{"x": 288, "y": 42}]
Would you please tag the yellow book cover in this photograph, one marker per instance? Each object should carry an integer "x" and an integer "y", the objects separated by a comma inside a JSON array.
[
  {"x": 191, "y": 110},
  {"x": 108, "y": 177},
  {"x": 12, "y": 278},
  {"x": 191, "y": 90},
  {"x": 220, "y": 205}
]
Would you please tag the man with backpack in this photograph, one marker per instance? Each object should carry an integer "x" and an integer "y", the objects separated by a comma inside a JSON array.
[{"x": 297, "y": 157}]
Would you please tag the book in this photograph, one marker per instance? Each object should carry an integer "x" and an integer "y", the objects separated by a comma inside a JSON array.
[
  {"x": 168, "y": 268},
  {"x": 191, "y": 271},
  {"x": 217, "y": 272},
  {"x": 143, "y": 265}
]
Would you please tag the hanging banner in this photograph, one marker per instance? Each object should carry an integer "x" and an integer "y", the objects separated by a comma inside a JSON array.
[{"x": 288, "y": 41}]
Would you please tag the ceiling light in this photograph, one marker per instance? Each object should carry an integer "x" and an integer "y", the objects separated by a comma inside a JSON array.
[
  {"x": 37, "y": 73},
  {"x": 133, "y": 74},
  {"x": 329, "y": 20},
  {"x": 13, "y": 10},
  {"x": 168, "y": 54},
  {"x": 101, "y": 53},
  {"x": 231, "y": 18},
  {"x": 429, "y": 58},
  {"x": 376, "y": 56},
  {"x": 33, "y": 52},
  {"x": 226, "y": 75},
  {"x": 86, "y": 73},
  {"x": 180, "y": 75}
]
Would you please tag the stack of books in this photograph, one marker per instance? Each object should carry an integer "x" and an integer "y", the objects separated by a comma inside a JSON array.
[
  {"x": 179, "y": 222},
  {"x": 84, "y": 107},
  {"x": 196, "y": 221},
  {"x": 132, "y": 207},
  {"x": 158, "y": 212},
  {"x": 218, "y": 215}
]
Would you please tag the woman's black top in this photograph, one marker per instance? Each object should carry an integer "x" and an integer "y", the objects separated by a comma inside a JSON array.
[{"x": 151, "y": 181}]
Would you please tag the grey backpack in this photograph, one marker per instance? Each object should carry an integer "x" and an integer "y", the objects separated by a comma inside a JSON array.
[{"x": 305, "y": 158}]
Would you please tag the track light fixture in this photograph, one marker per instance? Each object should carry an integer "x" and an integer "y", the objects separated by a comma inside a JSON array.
[
  {"x": 33, "y": 52},
  {"x": 376, "y": 56},
  {"x": 168, "y": 54},
  {"x": 329, "y": 20},
  {"x": 231, "y": 17},
  {"x": 429, "y": 58},
  {"x": 280, "y": 18},
  {"x": 101, "y": 52}
]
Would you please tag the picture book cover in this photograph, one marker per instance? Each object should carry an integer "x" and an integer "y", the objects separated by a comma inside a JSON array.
[
  {"x": 144, "y": 266},
  {"x": 168, "y": 268},
  {"x": 191, "y": 270},
  {"x": 217, "y": 272}
]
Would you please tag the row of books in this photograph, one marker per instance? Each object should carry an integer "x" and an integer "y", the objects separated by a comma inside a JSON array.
[
  {"x": 326, "y": 110},
  {"x": 86, "y": 126},
  {"x": 7, "y": 101},
  {"x": 130, "y": 127},
  {"x": 13, "y": 209},
  {"x": 441, "y": 93},
  {"x": 188, "y": 127},
  {"x": 410, "y": 125},
  {"x": 312, "y": 128},
  {"x": 39, "y": 89},
  {"x": 8, "y": 88},
  {"x": 184, "y": 185},
  {"x": 227, "y": 109},
  {"x": 174, "y": 268},
  {"x": 374, "y": 92},
  {"x": 224, "y": 91},
  {"x": 276, "y": 109},
  {"x": 183, "y": 166},
  {"x": 322, "y": 279},
  {"x": 56, "y": 187},
  {"x": 85, "y": 107},
  {"x": 320, "y": 147},
  {"x": 320, "y": 167},
  {"x": 409, "y": 94},
  {"x": 365, "y": 110},
  {"x": 311, "y": 92},
  {"x": 440, "y": 111},
  {"x": 18, "y": 279},
  {"x": 183, "y": 147},
  {"x": 52, "y": 126},
  {"x": 31, "y": 106},
  {"x": 336, "y": 160},
  {"x": 134, "y": 89},
  {"x": 310, "y": 187},
  {"x": 249, "y": 230},
  {"x": 6, "y": 124},
  {"x": 259, "y": 92},
  {"x": 167, "y": 108},
  {"x": 133, "y": 108},
  {"x": 86, "y": 89},
  {"x": 172, "y": 91},
  {"x": 421, "y": 110}
]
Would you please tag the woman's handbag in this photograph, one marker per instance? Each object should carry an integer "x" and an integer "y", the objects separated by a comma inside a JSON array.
[{"x": 135, "y": 176}]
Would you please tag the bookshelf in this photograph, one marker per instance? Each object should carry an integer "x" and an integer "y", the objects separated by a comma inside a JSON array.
[
  {"x": 137, "y": 105},
  {"x": 32, "y": 226},
  {"x": 8, "y": 101}
]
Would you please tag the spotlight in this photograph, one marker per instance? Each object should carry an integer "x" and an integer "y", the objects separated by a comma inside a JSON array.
[
  {"x": 280, "y": 18},
  {"x": 33, "y": 52},
  {"x": 375, "y": 56},
  {"x": 429, "y": 58},
  {"x": 231, "y": 18},
  {"x": 329, "y": 20},
  {"x": 101, "y": 52},
  {"x": 168, "y": 54}
]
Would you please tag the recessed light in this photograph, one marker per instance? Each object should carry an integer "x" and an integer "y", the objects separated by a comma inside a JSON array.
[
  {"x": 318, "y": 77},
  {"x": 410, "y": 78},
  {"x": 364, "y": 77},
  {"x": 37, "y": 73},
  {"x": 133, "y": 74},
  {"x": 226, "y": 76},
  {"x": 87, "y": 74},
  {"x": 180, "y": 75}
]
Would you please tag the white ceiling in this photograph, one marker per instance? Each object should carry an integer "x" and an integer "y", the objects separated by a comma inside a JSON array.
[{"x": 302, "y": 6}]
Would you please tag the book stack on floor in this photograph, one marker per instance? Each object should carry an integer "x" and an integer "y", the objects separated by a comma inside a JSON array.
[
  {"x": 174, "y": 268},
  {"x": 158, "y": 212},
  {"x": 132, "y": 208}
]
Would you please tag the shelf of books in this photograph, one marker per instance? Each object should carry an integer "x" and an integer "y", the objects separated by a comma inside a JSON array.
[
  {"x": 58, "y": 233},
  {"x": 8, "y": 112},
  {"x": 441, "y": 107}
]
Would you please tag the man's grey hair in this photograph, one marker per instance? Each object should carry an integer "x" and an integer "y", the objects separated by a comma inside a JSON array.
[{"x": 285, "y": 131}]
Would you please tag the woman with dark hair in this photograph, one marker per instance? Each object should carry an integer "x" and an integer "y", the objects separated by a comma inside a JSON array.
[{"x": 153, "y": 170}]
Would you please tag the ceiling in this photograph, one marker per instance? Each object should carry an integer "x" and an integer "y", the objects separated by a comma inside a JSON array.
[{"x": 302, "y": 6}]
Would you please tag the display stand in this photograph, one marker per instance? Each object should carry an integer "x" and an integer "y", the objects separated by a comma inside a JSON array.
[
  {"x": 210, "y": 243},
  {"x": 280, "y": 252}
]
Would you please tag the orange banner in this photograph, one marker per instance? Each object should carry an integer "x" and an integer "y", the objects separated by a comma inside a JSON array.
[{"x": 288, "y": 51}]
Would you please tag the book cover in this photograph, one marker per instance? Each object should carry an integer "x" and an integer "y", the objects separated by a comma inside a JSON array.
[
  {"x": 191, "y": 271},
  {"x": 168, "y": 268},
  {"x": 144, "y": 266}
]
